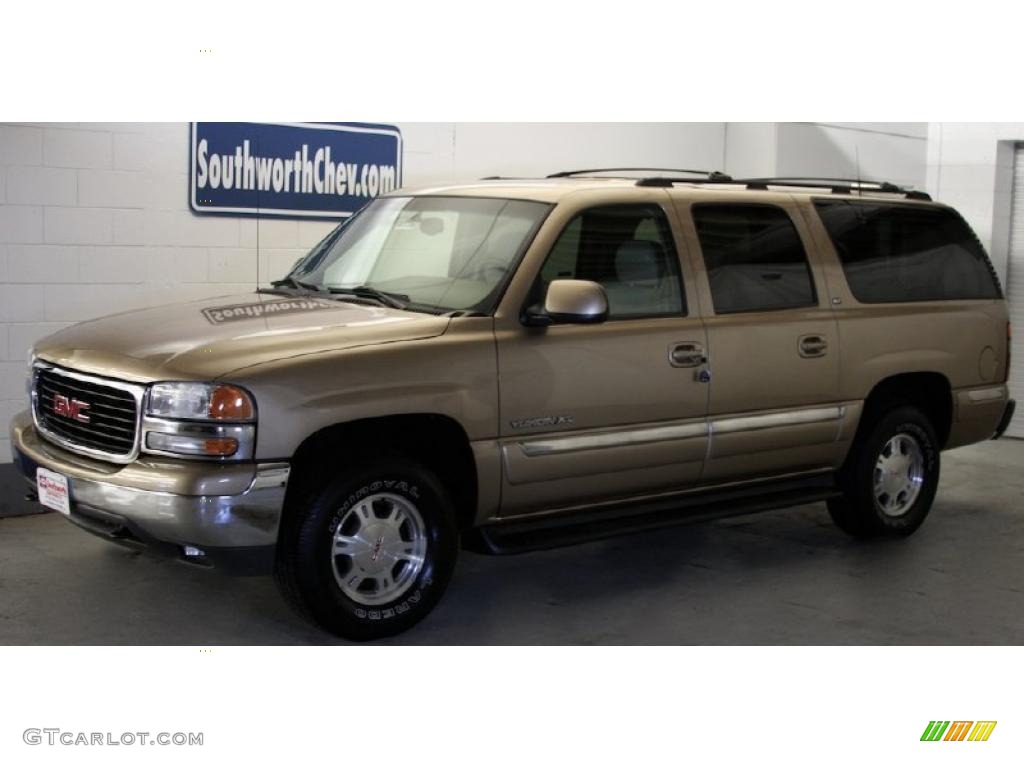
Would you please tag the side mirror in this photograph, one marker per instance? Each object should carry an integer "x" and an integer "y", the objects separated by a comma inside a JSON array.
[{"x": 570, "y": 302}]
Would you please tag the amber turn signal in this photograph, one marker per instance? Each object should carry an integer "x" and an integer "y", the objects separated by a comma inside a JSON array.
[
  {"x": 230, "y": 403},
  {"x": 220, "y": 446}
]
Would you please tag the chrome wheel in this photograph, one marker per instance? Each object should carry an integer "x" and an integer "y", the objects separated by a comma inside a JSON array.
[
  {"x": 379, "y": 549},
  {"x": 899, "y": 475}
]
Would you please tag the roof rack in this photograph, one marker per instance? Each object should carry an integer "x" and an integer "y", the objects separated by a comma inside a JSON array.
[
  {"x": 708, "y": 175},
  {"x": 837, "y": 186}
]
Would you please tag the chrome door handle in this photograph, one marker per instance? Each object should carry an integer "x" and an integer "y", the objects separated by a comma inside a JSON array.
[
  {"x": 686, "y": 354},
  {"x": 813, "y": 345}
]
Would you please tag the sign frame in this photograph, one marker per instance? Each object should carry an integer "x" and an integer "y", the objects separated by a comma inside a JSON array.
[{"x": 289, "y": 213}]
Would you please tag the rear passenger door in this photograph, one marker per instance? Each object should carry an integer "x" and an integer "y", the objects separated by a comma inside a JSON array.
[{"x": 773, "y": 356}]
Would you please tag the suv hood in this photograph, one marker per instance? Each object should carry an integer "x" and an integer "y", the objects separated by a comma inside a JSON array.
[{"x": 209, "y": 338}]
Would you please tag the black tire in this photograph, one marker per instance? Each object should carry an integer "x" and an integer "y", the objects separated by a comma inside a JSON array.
[
  {"x": 304, "y": 570},
  {"x": 857, "y": 512}
]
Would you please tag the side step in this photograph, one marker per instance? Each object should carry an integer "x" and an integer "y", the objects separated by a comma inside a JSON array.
[{"x": 559, "y": 530}]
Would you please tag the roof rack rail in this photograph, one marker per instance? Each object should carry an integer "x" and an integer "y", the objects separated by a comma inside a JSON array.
[
  {"x": 715, "y": 175},
  {"x": 795, "y": 181},
  {"x": 839, "y": 186}
]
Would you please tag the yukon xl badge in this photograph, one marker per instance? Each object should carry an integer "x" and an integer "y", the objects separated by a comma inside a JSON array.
[{"x": 543, "y": 421}]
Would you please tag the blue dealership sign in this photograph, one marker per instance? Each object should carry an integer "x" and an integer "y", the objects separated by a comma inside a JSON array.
[{"x": 325, "y": 170}]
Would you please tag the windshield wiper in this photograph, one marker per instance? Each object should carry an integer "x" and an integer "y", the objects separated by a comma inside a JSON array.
[
  {"x": 393, "y": 300},
  {"x": 291, "y": 282}
]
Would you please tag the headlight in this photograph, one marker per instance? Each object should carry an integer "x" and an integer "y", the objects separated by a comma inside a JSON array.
[
  {"x": 186, "y": 418},
  {"x": 200, "y": 402}
]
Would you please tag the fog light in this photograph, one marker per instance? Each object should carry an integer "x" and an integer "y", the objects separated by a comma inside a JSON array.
[
  {"x": 191, "y": 551},
  {"x": 193, "y": 445}
]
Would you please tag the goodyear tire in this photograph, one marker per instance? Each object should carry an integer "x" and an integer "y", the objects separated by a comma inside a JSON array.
[
  {"x": 368, "y": 554},
  {"x": 890, "y": 479}
]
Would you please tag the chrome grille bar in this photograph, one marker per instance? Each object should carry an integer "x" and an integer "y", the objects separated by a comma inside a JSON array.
[{"x": 109, "y": 422}]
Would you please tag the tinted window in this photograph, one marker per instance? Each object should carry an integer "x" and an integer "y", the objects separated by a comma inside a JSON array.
[
  {"x": 907, "y": 253},
  {"x": 627, "y": 249},
  {"x": 754, "y": 258}
]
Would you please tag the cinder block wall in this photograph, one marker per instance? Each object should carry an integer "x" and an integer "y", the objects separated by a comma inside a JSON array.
[{"x": 94, "y": 218}]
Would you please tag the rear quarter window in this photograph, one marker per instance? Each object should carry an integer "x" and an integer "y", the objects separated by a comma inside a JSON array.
[{"x": 896, "y": 253}]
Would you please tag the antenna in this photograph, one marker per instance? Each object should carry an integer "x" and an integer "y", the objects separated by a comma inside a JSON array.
[{"x": 856, "y": 155}]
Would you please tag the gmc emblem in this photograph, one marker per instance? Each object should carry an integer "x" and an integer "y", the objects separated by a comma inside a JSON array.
[{"x": 70, "y": 408}]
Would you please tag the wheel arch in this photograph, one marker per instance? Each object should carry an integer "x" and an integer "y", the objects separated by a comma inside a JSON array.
[
  {"x": 929, "y": 391},
  {"x": 437, "y": 441}
]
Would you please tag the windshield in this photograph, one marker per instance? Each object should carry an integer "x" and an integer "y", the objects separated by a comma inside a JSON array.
[{"x": 438, "y": 254}]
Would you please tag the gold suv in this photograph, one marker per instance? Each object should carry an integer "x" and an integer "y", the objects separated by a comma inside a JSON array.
[{"x": 518, "y": 363}]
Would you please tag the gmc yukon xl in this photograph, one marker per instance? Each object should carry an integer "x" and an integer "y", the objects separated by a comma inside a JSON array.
[{"x": 511, "y": 364}]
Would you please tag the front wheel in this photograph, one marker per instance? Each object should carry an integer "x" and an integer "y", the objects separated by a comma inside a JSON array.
[
  {"x": 890, "y": 479},
  {"x": 367, "y": 554}
]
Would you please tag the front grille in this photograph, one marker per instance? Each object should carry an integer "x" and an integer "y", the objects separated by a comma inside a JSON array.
[{"x": 112, "y": 413}]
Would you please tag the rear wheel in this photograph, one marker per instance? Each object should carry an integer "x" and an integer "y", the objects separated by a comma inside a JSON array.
[
  {"x": 368, "y": 554},
  {"x": 890, "y": 478}
]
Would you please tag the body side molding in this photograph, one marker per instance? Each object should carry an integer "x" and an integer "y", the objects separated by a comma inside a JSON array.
[{"x": 658, "y": 433}]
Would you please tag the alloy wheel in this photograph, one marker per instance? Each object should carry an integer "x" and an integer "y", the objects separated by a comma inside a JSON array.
[{"x": 378, "y": 549}]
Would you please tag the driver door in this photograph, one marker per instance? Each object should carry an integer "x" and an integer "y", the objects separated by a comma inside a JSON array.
[{"x": 613, "y": 410}]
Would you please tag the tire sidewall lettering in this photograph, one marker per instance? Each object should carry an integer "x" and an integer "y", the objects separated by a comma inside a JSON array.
[
  {"x": 390, "y": 612},
  {"x": 398, "y": 487}
]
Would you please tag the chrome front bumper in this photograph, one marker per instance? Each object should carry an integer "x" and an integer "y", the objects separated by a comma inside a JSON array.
[{"x": 231, "y": 512}]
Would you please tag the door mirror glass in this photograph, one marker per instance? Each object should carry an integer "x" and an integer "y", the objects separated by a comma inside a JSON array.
[{"x": 571, "y": 302}]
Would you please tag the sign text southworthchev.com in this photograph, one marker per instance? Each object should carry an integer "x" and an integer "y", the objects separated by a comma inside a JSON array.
[{"x": 327, "y": 170}]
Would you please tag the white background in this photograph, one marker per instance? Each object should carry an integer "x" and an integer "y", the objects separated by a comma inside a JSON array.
[
  {"x": 510, "y": 708},
  {"x": 535, "y": 61}
]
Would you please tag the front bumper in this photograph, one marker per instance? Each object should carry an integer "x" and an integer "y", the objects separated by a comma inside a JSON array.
[{"x": 229, "y": 511}]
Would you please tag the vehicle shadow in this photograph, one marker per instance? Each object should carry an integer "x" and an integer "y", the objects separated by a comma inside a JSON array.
[
  {"x": 567, "y": 595},
  {"x": 787, "y": 576}
]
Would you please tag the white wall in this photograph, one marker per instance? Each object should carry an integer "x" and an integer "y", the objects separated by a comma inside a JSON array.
[
  {"x": 94, "y": 217},
  {"x": 970, "y": 166},
  {"x": 461, "y": 151},
  {"x": 751, "y": 150},
  {"x": 893, "y": 152}
]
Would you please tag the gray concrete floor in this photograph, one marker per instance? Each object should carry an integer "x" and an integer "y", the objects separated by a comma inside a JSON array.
[{"x": 786, "y": 577}]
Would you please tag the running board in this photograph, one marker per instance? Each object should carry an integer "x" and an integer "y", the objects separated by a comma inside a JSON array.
[{"x": 565, "y": 529}]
